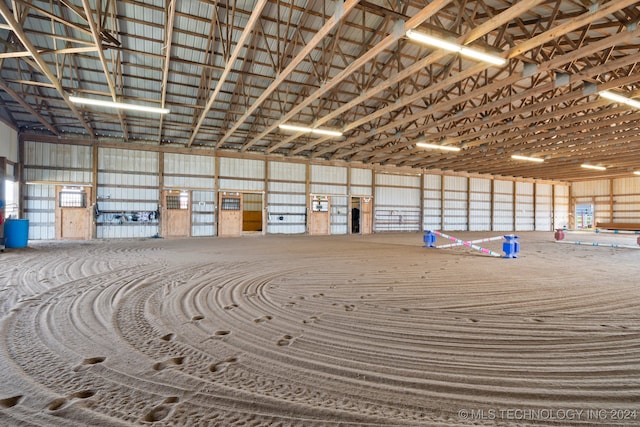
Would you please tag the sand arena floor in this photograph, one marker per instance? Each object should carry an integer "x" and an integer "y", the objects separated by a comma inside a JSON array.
[{"x": 299, "y": 330}]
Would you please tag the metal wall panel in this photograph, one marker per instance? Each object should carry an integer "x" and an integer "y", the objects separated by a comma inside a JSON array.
[
  {"x": 241, "y": 174},
  {"x": 626, "y": 186},
  {"x": 39, "y": 208},
  {"x": 503, "y": 205},
  {"x": 339, "y": 214},
  {"x": 479, "y": 204},
  {"x": 329, "y": 174},
  {"x": 525, "y": 215},
  {"x": 59, "y": 163},
  {"x": 287, "y": 171},
  {"x": 590, "y": 188},
  {"x": 455, "y": 203},
  {"x": 544, "y": 207},
  {"x": 287, "y": 198},
  {"x": 127, "y": 193},
  {"x": 241, "y": 169},
  {"x": 397, "y": 203},
  {"x": 9, "y": 147},
  {"x": 561, "y": 206},
  {"x": 361, "y": 177},
  {"x": 432, "y": 202},
  {"x": 203, "y": 209},
  {"x": 183, "y": 171}
]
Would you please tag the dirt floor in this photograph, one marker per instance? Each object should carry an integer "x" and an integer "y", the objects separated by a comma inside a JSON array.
[{"x": 300, "y": 330}]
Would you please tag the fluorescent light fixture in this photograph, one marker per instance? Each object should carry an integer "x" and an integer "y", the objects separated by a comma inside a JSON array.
[
  {"x": 527, "y": 158},
  {"x": 118, "y": 105},
  {"x": 433, "y": 41},
  {"x": 318, "y": 131},
  {"x": 437, "y": 147},
  {"x": 594, "y": 167},
  {"x": 619, "y": 98},
  {"x": 482, "y": 56},
  {"x": 456, "y": 48},
  {"x": 636, "y": 173}
]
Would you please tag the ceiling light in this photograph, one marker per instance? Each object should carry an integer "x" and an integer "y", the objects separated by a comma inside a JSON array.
[
  {"x": 437, "y": 147},
  {"x": 528, "y": 159},
  {"x": 482, "y": 56},
  {"x": 318, "y": 131},
  {"x": 433, "y": 41},
  {"x": 636, "y": 173},
  {"x": 454, "y": 47},
  {"x": 619, "y": 98},
  {"x": 118, "y": 105},
  {"x": 594, "y": 167}
]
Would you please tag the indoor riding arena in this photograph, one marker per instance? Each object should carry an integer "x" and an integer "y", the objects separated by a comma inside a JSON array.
[{"x": 319, "y": 213}]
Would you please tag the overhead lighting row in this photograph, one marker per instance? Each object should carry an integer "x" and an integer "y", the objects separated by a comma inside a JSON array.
[
  {"x": 455, "y": 48},
  {"x": 117, "y": 105}
]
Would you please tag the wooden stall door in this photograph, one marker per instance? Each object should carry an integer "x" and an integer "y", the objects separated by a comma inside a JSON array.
[
  {"x": 230, "y": 214},
  {"x": 320, "y": 216},
  {"x": 73, "y": 213},
  {"x": 176, "y": 221},
  {"x": 366, "y": 209}
]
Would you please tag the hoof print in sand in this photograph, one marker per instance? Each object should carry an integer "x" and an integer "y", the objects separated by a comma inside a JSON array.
[
  {"x": 161, "y": 411},
  {"x": 89, "y": 362},
  {"x": 10, "y": 402},
  {"x": 285, "y": 341},
  {"x": 263, "y": 319},
  {"x": 221, "y": 334},
  {"x": 197, "y": 318},
  {"x": 220, "y": 367},
  {"x": 168, "y": 337},
  {"x": 231, "y": 306},
  {"x": 174, "y": 361},
  {"x": 63, "y": 402}
]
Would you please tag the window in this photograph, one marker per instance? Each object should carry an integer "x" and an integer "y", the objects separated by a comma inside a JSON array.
[
  {"x": 178, "y": 201},
  {"x": 72, "y": 199},
  {"x": 230, "y": 204}
]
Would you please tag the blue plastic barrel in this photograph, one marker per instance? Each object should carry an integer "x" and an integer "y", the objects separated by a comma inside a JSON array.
[{"x": 16, "y": 233}]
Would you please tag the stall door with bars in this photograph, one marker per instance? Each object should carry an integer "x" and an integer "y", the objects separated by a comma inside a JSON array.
[
  {"x": 176, "y": 221},
  {"x": 73, "y": 213},
  {"x": 319, "y": 216},
  {"x": 230, "y": 214}
]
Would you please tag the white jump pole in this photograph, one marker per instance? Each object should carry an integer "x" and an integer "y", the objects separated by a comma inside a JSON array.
[
  {"x": 606, "y": 245},
  {"x": 560, "y": 235},
  {"x": 461, "y": 242},
  {"x": 488, "y": 239}
]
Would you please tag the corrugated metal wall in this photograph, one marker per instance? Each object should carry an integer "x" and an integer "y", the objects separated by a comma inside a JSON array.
[
  {"x": 397, "y": 203},
  {"x": 432, "y": 202},
  {"x": 195, "y": 173},
  {"x": 561, "y": 206},
  {"x": 544, "y": 207},
  {"x": 503, "y": 205},
  {"x": 361, "y": 182},
  {"x": 616, "y": 200},
  {"x": 332, "y": 181},
  {"x": 241, "y": 174},
  {"x": 39, "y": 208},
  {"x": 479, "y": 204},
  {"x": 128, "y": 182},
  {"x": 455, "y": 203},
  {"x": 287, "y": 198},
  {"x": 525, "y": 211},
  {"x": 57, "y": 163},
  {"x": 203, "y": 219},
  {"x": 44, "y": 166},
  {"x": 127, "y": 194},
  {"x": 626, "y": 200}
]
